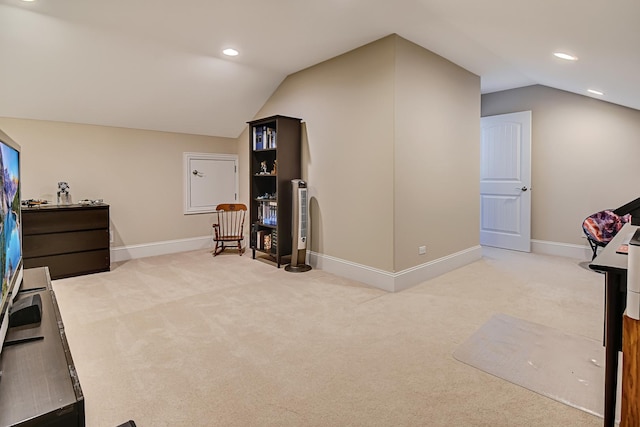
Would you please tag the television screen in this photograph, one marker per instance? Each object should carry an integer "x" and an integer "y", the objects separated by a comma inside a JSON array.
[{"x": 10, "y": 228}]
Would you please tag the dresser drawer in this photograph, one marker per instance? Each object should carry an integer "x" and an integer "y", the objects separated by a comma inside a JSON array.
[
  {"x": 37, "y": 245},
  {"x": 73, "y": 264},
  {"x": 47, "y": 220}
]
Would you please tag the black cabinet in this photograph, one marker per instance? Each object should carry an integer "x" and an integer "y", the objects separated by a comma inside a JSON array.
[
  {"x": 275, "y": 147},
  {"x": 39, "y": 385},
  {"x": 71, "y": 240}
]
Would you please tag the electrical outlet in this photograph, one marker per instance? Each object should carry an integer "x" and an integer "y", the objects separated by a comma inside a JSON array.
[
  {"x": 110, "y": 236},
  {"x": 422, "y": 250}
]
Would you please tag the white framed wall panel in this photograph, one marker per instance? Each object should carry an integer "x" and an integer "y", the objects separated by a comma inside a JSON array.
[{"x": 209, "y": 179}]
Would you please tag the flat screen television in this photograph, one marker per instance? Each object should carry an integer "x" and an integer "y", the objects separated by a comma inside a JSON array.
[{"x": 10, "y": 228}]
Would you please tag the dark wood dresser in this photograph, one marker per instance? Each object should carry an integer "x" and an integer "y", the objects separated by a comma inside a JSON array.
[{"x": 69, "y": 239}]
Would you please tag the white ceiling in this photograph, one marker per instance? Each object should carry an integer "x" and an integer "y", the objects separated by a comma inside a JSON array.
[{"x": 157, "y": 64}]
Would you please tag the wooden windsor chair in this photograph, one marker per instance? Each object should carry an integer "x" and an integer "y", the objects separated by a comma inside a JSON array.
[{"x": 228, "y": 231}]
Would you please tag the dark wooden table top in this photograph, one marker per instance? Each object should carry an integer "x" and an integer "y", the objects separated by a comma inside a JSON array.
[
  {"x": 608, "y": 259},
  {"x": 36, "y": 376}
]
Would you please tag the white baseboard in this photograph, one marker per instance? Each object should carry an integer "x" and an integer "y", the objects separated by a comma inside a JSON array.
[
  {"x": 412, "y": 276},
  {"x": 567, "y": 250},
  {"x": 385, "y": 280},
  {"x": 394, "y": 282},
  {"x": 371, "y": 276},
  {"x": 124, "y": 253}
]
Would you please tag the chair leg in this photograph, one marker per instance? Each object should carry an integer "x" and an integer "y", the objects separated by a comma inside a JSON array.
[
  {"x": 594, "y": 248},
  {"x": 240, "y": 247}
]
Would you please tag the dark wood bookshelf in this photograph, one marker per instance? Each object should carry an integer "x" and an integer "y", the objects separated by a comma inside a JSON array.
[{"x": 274, "y": 140}]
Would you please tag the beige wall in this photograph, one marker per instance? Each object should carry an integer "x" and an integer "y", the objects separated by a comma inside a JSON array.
[
  {"x": 584, "y": 156},
  {"x": 138, "y": 173},
  {"x": 346, "y": 104},
  {"x": 437, "y": 129},
  {"x": 390, "y": 153}
]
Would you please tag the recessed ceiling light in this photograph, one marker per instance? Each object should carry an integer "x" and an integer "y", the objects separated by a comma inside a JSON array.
[
  {"x": 230, "y": 52},
  {"x": 566, "y": 56},
  {"x": 28, "y": 0},
  {"x": 595, "y": 92}
]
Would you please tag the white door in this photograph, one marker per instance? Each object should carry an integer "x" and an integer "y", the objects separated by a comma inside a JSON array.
[
  {"x": 505, "y": 181},
  {"x": 210, "y": 179}
]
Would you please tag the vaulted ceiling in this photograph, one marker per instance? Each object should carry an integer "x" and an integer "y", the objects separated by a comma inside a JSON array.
[{"x": 158, "y": 64}]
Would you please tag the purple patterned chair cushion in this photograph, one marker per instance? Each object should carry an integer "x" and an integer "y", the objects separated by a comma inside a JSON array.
[{"x": 602, "y": 226}]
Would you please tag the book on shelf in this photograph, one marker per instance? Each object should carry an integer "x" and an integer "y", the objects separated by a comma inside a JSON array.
[
  {"x": 265, "y": 213},
  {"x": 273, "y": 213},
  {"x": 263, "y": 240},
  {"x": 268, "y": 212},
  {"x": 264, "y": 137},
  {"x": 258, "y": 137},
  {"x": 274, "y": 242},
  {"x": 270, "y": 138},
  {"x": 267, "y": 242}
]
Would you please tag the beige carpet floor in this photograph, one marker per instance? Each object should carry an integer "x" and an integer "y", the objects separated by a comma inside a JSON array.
[{"x": 192, "y": 340}]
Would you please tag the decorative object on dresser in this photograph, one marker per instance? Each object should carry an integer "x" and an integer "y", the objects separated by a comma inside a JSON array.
[
  {"x": 71, "y": 240},
  {"x": 64, "y": 198},
  {"x": 275, "y": 149}
]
